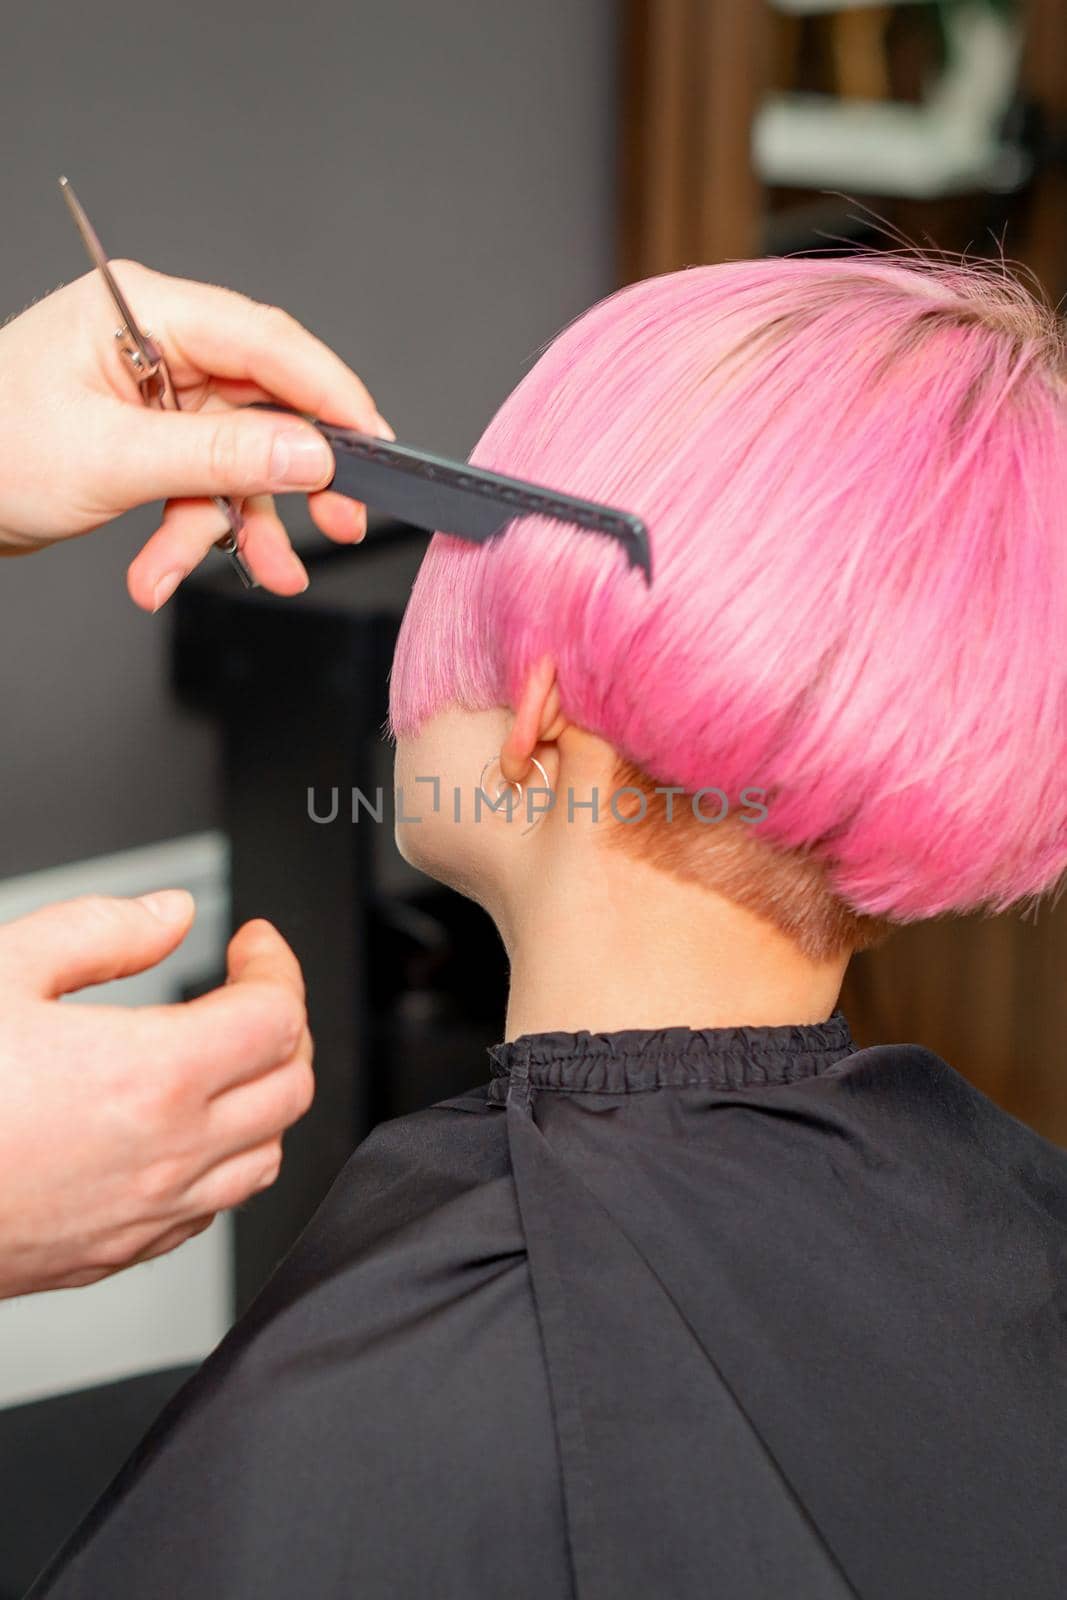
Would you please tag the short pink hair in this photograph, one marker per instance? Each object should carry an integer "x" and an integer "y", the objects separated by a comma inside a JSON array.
[{"x": 854, "y": 474}]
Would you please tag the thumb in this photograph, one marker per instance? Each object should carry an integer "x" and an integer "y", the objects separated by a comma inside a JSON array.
[
  {"x": 185, "y": 455},
  {"x": 92, "y": 940}
]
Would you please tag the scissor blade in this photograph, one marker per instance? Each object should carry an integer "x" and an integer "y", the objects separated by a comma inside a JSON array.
[{"x": 99, "y": 260}]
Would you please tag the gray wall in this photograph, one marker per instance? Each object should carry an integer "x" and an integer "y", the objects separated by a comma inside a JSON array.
[{"x": 428, "y": 185}]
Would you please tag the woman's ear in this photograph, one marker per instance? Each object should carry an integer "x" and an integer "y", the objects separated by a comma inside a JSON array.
[{"x": 538, "y": 721}]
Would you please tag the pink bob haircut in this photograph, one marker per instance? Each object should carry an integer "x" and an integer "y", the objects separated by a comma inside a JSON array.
[{"x": 854, "y": 473}]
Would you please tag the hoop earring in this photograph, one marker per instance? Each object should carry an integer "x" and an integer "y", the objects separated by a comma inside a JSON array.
[{"x": 515, "y": 784}]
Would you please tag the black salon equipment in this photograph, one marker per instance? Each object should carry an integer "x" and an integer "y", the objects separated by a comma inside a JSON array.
[{"x": 406, "y": 981}]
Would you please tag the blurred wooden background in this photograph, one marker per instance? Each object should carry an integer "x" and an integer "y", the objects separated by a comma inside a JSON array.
[{"x": 986, "y": 993}]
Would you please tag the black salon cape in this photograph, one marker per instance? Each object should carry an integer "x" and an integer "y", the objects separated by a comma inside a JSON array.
[{"x": 731, "y": 1314}]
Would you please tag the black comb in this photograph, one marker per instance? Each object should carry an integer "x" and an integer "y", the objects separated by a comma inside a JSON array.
[{"x": 452, "y": 497}]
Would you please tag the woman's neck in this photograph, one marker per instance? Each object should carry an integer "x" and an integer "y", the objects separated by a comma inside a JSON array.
[{"x": 604, "y": 942}]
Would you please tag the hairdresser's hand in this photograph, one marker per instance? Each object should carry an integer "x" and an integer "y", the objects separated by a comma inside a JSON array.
[
  {"x": 123, "y": 1131},
  {"x": 78, "y": 446}
]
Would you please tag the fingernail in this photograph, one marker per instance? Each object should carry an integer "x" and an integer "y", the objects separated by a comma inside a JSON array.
[
  {"x": 356, "y": 514},
  {"x": 165, "y": 588},
  {"x": 384, "y": 431},
  {"x": 299, "y": 571},
  {"x": 300, "y": 459},
  {"x": 169, "y": 905}
]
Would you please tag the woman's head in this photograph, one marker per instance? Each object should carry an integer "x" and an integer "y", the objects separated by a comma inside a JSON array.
[{"x": 854, "y": 474}]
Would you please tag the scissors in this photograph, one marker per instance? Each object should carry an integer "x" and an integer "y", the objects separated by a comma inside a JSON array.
[{"x": 149, "y": 367}]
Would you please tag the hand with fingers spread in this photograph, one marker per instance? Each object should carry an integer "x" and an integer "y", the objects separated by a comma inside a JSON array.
[
  {"x": 124, "y": 1131},
  {"x": 78, "y": 446}
]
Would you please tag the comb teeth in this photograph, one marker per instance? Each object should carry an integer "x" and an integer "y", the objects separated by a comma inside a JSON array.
[{"x": 468, "y": 502}]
